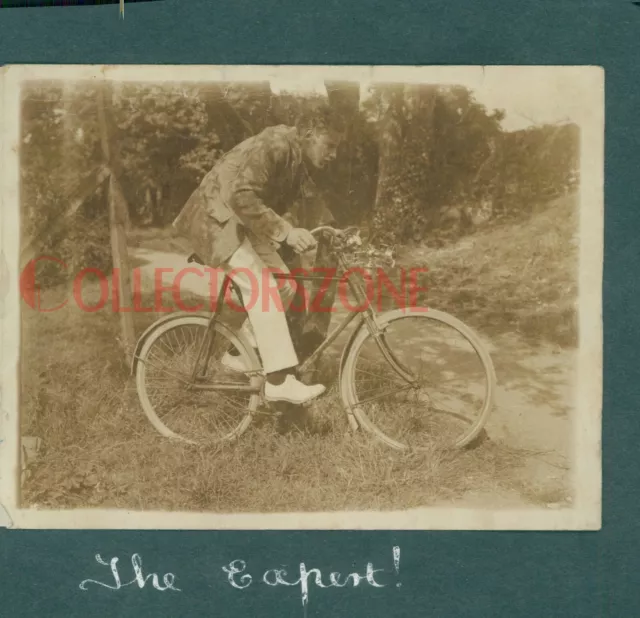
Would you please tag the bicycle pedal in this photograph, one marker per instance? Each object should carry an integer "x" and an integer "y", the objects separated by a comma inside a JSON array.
[{"x": 267, "y": 410}]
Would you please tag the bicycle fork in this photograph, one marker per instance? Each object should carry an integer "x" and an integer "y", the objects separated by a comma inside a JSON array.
[{"x": 371, "y": 321}]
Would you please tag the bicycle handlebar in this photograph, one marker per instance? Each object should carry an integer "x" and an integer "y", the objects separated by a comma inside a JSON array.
[
  {"x": 387, "y": 254},
  {"x": 334, "y": 232},
  {"x": 326, "y": 228}
]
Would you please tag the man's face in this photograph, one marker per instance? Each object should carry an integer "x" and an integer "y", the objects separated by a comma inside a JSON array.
[{"x": 321, "y": 147}]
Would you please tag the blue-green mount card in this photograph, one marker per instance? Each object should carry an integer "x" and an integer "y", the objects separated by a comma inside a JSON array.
[{"x": 499, "y": 183}]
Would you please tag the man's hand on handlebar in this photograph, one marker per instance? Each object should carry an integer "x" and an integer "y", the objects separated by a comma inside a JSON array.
[
  {"x": 300, "y": 240},
  {"x": 347, "y": 237}
]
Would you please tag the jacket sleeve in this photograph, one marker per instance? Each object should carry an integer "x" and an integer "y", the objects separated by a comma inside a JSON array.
[{"x": 251, "y": 185}]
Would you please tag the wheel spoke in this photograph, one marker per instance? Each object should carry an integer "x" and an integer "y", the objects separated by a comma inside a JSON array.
[
  {"x": 449, "y": 398},
  {"x": 193, "y": 413}
]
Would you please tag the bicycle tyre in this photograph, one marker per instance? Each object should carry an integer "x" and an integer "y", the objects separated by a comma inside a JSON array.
[
  {"x": 201, "y": 322},
  {"x": 348, "y": 380}
]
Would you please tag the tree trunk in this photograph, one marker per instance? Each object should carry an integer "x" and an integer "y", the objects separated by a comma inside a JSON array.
[
  {"x": 344, "y": 99},
  {"x": 404, "y": 196},
  {"x": 389, "y": 154}
]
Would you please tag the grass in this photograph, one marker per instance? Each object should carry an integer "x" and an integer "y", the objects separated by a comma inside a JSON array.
[
  {"x": 100, "y": 451},
  {"x": 520, "y": 277}
]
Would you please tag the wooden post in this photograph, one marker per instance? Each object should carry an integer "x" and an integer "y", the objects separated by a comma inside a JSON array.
[{"x": 118, "y": 219}]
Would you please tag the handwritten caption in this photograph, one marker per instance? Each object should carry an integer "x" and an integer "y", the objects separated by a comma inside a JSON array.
[{"x": 239, "y": 577}]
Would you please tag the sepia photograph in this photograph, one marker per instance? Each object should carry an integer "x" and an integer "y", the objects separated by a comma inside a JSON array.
[{"x": 301, "y": 297}]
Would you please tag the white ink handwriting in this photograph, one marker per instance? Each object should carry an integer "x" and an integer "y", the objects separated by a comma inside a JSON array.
[
  {"x": 239, "y": 578},
  {"x": 139, "y": 578}
]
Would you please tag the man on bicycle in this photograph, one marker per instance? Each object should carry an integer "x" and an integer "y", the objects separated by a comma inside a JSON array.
[{"x": 235, "y": 221}]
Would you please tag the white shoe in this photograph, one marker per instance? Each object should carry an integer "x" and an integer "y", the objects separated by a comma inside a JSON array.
[
  {"x": 292, "y": 390},
  {"x": 235, "y": 363}
]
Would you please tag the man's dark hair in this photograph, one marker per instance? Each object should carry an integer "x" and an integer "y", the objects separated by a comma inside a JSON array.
[{"x": 321, "y": 116}]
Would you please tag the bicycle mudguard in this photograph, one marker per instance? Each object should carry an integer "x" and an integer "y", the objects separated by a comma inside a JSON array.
[{"x": 159, "y": 322}]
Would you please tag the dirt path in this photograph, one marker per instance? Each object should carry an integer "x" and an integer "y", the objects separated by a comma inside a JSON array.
[{"x": 532, "y": 409}]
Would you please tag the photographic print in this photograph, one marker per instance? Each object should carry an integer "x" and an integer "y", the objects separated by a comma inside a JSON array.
[{"x": 302, "y": 297}]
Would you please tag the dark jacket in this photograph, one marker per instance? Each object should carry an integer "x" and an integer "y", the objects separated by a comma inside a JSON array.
[{"x": 250, "y": 188}]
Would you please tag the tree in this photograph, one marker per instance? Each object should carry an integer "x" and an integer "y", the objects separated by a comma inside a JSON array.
[
  {"x": 166, "y": 143},
  {"x": 404, "y": 169},
  {"x": 63, "y": 210},
  {"x": 417, "y": 162}
]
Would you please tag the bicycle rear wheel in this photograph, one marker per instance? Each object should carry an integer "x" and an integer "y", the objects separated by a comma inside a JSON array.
[
  {"x": 180, "y": 407},
  {"x": 447, "y": 398}
]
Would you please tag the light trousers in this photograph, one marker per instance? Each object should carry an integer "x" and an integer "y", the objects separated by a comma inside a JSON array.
[{"x": 265, "y": 300}]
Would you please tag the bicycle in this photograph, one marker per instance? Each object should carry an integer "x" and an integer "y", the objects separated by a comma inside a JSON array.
[{"x": 373, "y": 359}]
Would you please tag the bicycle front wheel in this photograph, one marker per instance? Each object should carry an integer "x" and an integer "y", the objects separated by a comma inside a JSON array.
[
  {"x": 212, "y": 404},
  {"x": 426, "y": 382}
]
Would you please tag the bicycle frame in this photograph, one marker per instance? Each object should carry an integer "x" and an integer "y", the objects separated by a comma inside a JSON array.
[{"x": 363, "y": 311}]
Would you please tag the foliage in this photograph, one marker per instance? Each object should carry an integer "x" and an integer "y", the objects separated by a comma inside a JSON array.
[
  {"x": 446, "y": 164},
  {"x": 417, "y": 162},
  {"x": 59, "y": 147},
  {"x": 165, "y": 141}
]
